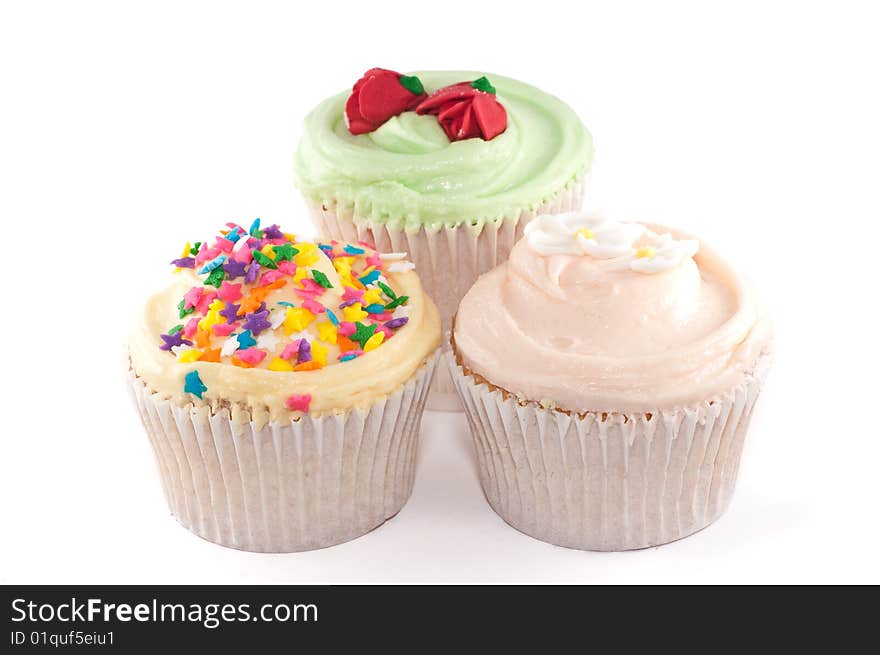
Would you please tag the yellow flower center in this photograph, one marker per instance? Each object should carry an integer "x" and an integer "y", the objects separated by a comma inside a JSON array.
[
  {"x": 586, "y": 233},
  {"x": 646, "y": 252}
]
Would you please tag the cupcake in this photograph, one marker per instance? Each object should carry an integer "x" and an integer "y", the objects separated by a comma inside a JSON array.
[
  {"x": 608, "y": 372},
  {"x": 447, "y": 166},
  {"x": 281, "y": 383}
]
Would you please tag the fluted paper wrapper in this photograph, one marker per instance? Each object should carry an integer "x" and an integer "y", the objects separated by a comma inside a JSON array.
[
  {"x": 448, "y": 259},
  {"x": 600, "y": 481},
  {"x": 284, "y": 487}
]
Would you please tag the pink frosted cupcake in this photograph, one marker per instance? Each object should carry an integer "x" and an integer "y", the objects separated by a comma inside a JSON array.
[{"x": 609, "y": 372}]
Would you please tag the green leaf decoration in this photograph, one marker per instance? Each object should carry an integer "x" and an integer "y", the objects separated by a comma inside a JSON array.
[
  {"x": 412, "y": 84},
  {"x": 483, "y": 84}
]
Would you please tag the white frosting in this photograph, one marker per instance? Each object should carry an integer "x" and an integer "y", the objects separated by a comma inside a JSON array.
[{"x": 629, "y": 245}]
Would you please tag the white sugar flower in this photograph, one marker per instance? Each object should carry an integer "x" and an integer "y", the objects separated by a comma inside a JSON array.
[
  {"x": 609, "y": 239},
  {"x": 578, "y": 233},
  {"x": 666, "y": 254},
  {"x": 553, "y": 235}
]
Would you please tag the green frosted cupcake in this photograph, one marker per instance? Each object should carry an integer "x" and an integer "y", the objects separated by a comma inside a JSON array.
[{"x": 447, "y": 166}]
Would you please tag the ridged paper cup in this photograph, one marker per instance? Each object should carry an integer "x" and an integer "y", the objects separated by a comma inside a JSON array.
[
  {"x": 449, "y": 259},
  {"x": 283, "y": 487},
  {"x": 607, "y": 481}
]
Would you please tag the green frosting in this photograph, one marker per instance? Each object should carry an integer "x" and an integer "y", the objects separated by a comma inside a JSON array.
[{"x": 408, "y": 172}]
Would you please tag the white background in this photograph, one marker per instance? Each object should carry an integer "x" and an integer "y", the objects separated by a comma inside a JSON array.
[{"x": 128, "y": 129}]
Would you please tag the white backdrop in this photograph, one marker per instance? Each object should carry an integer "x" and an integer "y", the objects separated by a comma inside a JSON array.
[{"x": 126, "y": 129}]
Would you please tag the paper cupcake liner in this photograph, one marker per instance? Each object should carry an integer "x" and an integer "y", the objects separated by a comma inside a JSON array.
[
  {"x": 291, "y": 486},
  {"x": 448, "y": 259},
  {"x": 607, "y": 481}
]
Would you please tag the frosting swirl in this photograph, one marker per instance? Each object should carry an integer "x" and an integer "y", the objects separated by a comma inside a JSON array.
[
  {"x": 407, "y": 170},
  {"x": 649, "y": 323}
]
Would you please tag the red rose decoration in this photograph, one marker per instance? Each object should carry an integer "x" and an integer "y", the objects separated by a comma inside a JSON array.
[
  {"x": 467, "y": 110},
  {"x": 379, "y": 95}
]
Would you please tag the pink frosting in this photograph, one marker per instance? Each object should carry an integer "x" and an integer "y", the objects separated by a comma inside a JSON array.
[{"x": 584, "y": 334}]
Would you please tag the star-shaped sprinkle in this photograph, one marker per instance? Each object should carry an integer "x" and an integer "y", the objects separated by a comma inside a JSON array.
[
  {"x": 278, "y": 364},
  {"x": 285, "y": 252},
  {"x": 299, "y": 402},
  {"x": 291, "y": 350},
  {"x": 173, "y": 339},
  {"x": 305, "y": 351},
  {"x": 230, "y": 312},
  {"x": 350, "y": 294},
  {"x": 183, "y": 310},
  {"x": 255, "y": 229},
  {"x": 229, "y": 292},
  {"x": 362, "y": 333},
  {"x": 216, "y": 277},
  {"x": 273, "y": 232},
  {"x": 184, "y": 262},
  {"x": 253, "y": 270},
  {"x": 370, "y": 277},
  {"x": 246, "y": 340},
  {"x": 194, "y": 385},
  {"x": 234, "y": 268},
  {"x": 252, "y": 356},
  {"x": 256, "y": 322}
]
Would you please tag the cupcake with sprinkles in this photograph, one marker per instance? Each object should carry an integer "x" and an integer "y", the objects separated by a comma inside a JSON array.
[
  {"x": 609, "y": 371},
  {"x": 282, "y": 383}
]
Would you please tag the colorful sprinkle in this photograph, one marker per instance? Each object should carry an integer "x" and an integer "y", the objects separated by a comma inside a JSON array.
[
  {"x": 262, "y": 295},
  {"x": 285, "y": 252},
  {"x": 363, "y": 333},
  {"x": 234, "y": 268},
  {"x": 299, "y": 402},
  {"x": 396, "y": 323},
  {"x": 370, "y": 277},
  {"x": 256, "y": 322},
  {"x": 193, "y": 384},
  {"x": 321, "y": 279},
  {"x": 263, "y": 260},
  {"x": 211, "y": 265},
  {"x": 252, "y": 356},
  {"x": 278, "y": 364},
  {"x": 245, "y": 340}
]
